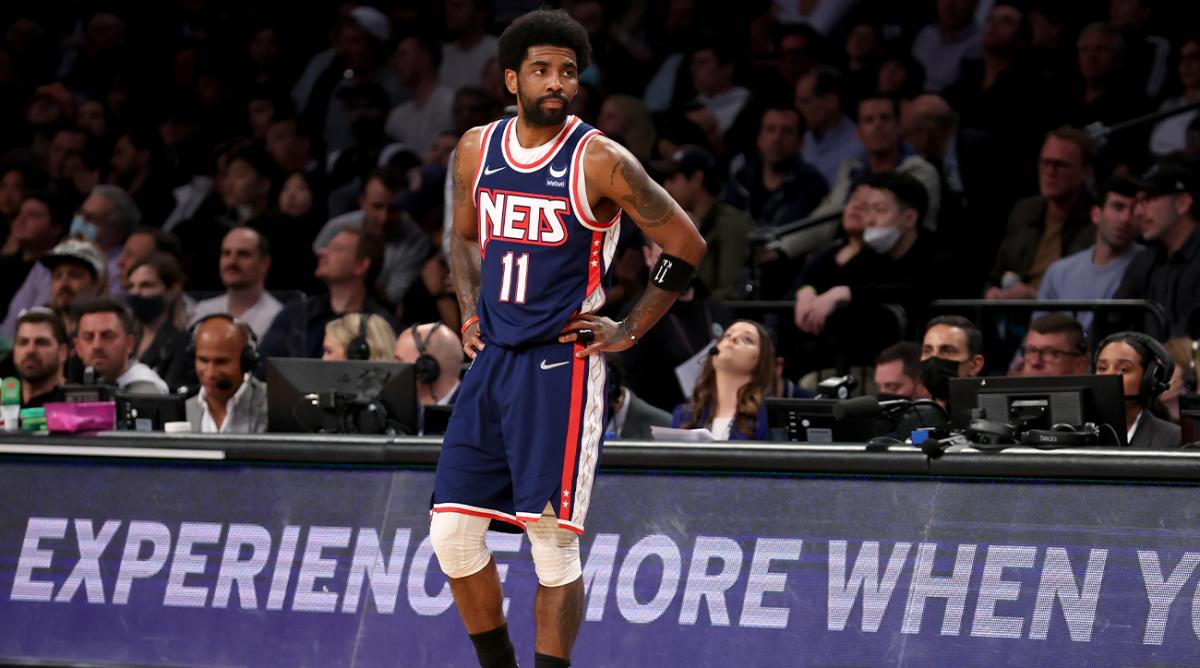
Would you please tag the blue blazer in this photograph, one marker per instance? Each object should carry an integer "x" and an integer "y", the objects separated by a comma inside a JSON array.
[{"x": 683, "y": 413}]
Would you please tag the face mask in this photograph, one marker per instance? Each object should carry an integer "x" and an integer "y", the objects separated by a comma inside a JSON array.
[
  {"x": 82, "y": 228},
  {"x": 936, "y": 373},
  {"x": 146, "y": 309},
  {"x": 881, "y": 239}
]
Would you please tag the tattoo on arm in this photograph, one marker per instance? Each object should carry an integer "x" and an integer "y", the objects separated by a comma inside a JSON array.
[
  {"x": 650, "y": 205},
  {"x": 653, "y": 304},
  {"x": 460, "y": 184},
  {"x": 464, "y": 266}
]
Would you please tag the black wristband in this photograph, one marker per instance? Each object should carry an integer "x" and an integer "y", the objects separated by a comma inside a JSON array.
[{"x": 672, "y": 273}]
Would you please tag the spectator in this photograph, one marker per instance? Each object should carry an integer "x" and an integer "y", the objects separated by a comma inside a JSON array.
[
  {"x": 291, "y": 147},
  {"x": 437, "y": 343},
  {"x": 1096, "y": 272},
  {"x": 898, "y": 372},
  {"x": 1167, "y": 270},
  {"x": 863, "y": 51},
  {"x": 879, "y": 130},
  {"x": 15, "y": 183},
  {"x": 694, "y": 180},
  {"x": 107, "y": 217},
  {"x": 406, "y": 247},
  {"x": 417, "y": 122},
  {"x": 105, "y": 341},
  {"x": 245, "y": 263},
  {"x": 342, "y": 339},
  {"x": 464, "y": 57},
  {"x": 1054, "y": 346},
  {"x": 629, "y": 415},
  {"x": 42, "y": 220},
  {"x": 1148, "y": 53},
  {"x": 40, "y": 353},
  {"x": 77, "y": 271},
  {"x": 1170, "y": 134},
  {"x": 723, "y": 104},
  {"x": 729, "y": 395},
  {"x": 776, "y": 186},
  {"x": 139, "y": 166},
  {"x": 900, "y": 76},
  {"x": 64, "y": 163},
  {"x": 473, "y": 106},
  {"x": 347, "y": 265},
  {"x": 952, "y": 347},
  {"x": 140, "y": 243},
  {"x": 1132, "y": 355},
  {"x": 1050, "y": 225},
  {"x": 231, "y": 400},
  {"x": 831, "y": 136},
  {"x": 156, "y": 302},
  {"x": 289, "y": 232},
  {"x": 624, "y": 119},
  {"x": 941, "y": 46}
]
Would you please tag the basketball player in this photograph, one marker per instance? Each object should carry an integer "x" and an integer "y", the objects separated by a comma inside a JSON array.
[{"x": 537, "y": 202}]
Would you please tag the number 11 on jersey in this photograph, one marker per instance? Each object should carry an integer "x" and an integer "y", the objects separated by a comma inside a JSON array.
[{"x": 522, "y": 266}]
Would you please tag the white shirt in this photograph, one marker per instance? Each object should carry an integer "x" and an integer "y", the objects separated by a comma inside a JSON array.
[
  {"x": 238, "y": 416},
  {"x": 445, "y": 399},
  {"x": 726, "y": 106},
  {"x": 142, "y": 374},
  {"x": 417, "y": 126},
  {"x": 720, "y": 428},
  {"x": 258, "y": 317},
  {"x": 464, "y": 67},
  {"x": 1137, "y": 422}
]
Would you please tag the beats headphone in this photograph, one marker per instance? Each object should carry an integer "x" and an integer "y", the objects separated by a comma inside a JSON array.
[
  {"x": 1156, "y": 377},
  {"x": 247, "y": 357},
  {"x": 359, "y": 348},
  {"x": 426, "y": 367}
]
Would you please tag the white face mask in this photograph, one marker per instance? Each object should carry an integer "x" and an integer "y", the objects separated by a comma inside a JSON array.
[
  {"x": 82, "y": 228},
  {"x": 881, "y": 239}
]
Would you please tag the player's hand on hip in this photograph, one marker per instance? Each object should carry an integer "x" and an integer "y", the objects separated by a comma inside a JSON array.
[
  {"x": 599, "y": 334},
  {"x": 472, "y": 341}
]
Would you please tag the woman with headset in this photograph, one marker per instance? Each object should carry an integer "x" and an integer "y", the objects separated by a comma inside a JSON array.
[
  {"x": 1145, "y": 368},
  {"x": 351, "y": 337}
]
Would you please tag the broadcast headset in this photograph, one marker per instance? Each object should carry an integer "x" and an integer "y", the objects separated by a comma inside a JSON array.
[
  {"x": 1156, "y": 377},
  {"x": 247, "y": 358},
  {"x": 359, "y": 348},
  {"x": 426, "y": 366}
]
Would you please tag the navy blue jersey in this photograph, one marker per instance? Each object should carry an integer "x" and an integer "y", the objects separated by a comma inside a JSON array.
[{"x": 544, "y": 258}]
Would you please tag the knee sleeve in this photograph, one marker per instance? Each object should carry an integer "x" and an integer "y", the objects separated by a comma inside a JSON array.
[
  {"x": 555, "y": 552},
  {"x": 457, "y": 541}
]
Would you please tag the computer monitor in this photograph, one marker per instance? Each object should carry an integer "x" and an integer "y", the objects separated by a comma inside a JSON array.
[
  {"x": 1042, "y": 402},
  {"x": 351, "y": 396},
  {"x": 812, "y": 421},
  {"x": 149, "y": 412}
]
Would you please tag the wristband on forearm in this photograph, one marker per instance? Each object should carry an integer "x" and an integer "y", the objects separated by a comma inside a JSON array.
[
  {"x": 467, "y": 325},
  {"x": 672, "y": 273}
]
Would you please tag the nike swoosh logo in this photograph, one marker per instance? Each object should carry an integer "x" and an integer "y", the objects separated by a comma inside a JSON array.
[
  {"x": 488, "y": 171},
  {"x": 558, "y": 173},
  {"x": 547, "y": 367}
]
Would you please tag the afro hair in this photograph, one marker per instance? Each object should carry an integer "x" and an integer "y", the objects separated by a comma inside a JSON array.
[{"x": 543, "y": 27}]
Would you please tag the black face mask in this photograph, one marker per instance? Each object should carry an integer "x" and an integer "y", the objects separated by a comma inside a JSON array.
[
  {"x": 936, "y": 373},
  {"x": 146, "y": 309}
]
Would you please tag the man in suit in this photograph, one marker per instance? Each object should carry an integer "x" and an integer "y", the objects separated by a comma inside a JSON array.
[
  {"x": 631, "y": 416},
  {"x": 1145, "y": 368}
]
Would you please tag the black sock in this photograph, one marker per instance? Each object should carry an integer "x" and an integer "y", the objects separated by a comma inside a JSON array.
[
  {"x": 545, "y": 661},
  {"x": 494, "y": 648}
]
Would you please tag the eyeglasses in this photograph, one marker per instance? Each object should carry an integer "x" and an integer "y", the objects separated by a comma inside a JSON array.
[{"x": 1048, "y": 354}]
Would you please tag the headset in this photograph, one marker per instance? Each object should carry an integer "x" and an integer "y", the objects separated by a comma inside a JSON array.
[
  {"x": 426, "y": 367},
  {"x": 247, "y": 357},
  {"x": 1156, "y": 377},
  {"x": 359, "y": 348}
]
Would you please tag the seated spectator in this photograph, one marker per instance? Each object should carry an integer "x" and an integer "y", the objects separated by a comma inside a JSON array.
[
  {"x": 77, "y": 272},
  {"x": 140, "y": 166},
  {"x": 630, "y": 416},
  {"x": 245, "y": 263},
  {"x": 776, "y": 186},
  {"x": 726, "y": 109},
  {"x": 41, "y": 221},
  {"x": 156, "y": 301},
  {"x": 952, "y": 347},
  {"x": 1170, "y": 134},
  {"x": 942, "y": 46},
  {"x": 1054, "y": 346},
  {"x": 624, "y": 119},
  {"x": 1183, "y": 381},
  {"x": 694, "y": 180},
  {"x": 289, "y": 232},
  {"x": 346, "y": 265},
  {"x": 729, "y": 399},
  {"x": 140, "y": 244},
  {"x": 107, "y": 217},
  {"x": 435, "y": 342},
  {"x": 344, "y": 339},
  {"x": 417, "y": 122},
  {"x": 831, "y": 137},
  {"x": 1050, "y": 225},
  {"x": 1131, "y": 355},
  {"x": 1167, "y": 270},
  {"x": 105, "y": 342},
  {"x": 40, "y": 352},
  {"x": 231, "y": 400},
  {"x": 1095, "y": 272},
  {"x": 406, "y": 246},
  {"x": 898, "y": 372},
  {"x": 470, "y": 47},
  {"x": 879, "y": 129}
]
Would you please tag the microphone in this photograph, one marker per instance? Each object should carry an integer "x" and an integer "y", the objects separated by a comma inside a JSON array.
[
  {"x": 714, "y": 351},
  {"x": 837, "y": 387},
  {"x": 89, "y": 375},
  {"x": 224, "y": 384},
  {"x": 866, "y": 407}
]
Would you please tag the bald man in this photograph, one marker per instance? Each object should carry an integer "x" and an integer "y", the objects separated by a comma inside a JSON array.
[
  {"x": 442, "y": 344},
  {"x": 231, "y": 400}
]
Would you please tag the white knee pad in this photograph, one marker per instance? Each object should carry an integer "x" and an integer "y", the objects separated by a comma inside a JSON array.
[
  {"x": 457, "y": 541},
  {"x": 555, "y": 552}
]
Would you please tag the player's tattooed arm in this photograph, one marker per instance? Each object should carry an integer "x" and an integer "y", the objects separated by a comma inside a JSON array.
[{"x": 464, "y": 240}]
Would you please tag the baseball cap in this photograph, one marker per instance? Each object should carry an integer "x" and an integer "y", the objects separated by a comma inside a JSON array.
[
  {"x": 373, "y": 21},
  {"x": 76, "y": 250},
  {"x": 1167, "y": 178}
]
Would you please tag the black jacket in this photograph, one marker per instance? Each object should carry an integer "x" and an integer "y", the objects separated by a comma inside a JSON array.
[{"x": 1154, "y": 433}]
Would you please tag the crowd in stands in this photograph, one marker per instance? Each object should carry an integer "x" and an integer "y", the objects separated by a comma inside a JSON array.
[{"x": 188, "y": 189}]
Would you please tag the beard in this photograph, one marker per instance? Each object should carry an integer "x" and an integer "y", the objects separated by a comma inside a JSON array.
[
  {"x": 34, "y": 371},
  {"x": 536, "y": 116}
]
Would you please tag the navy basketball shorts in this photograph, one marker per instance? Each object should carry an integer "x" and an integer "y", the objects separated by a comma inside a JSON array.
[{"x": 527, "y": 429}]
